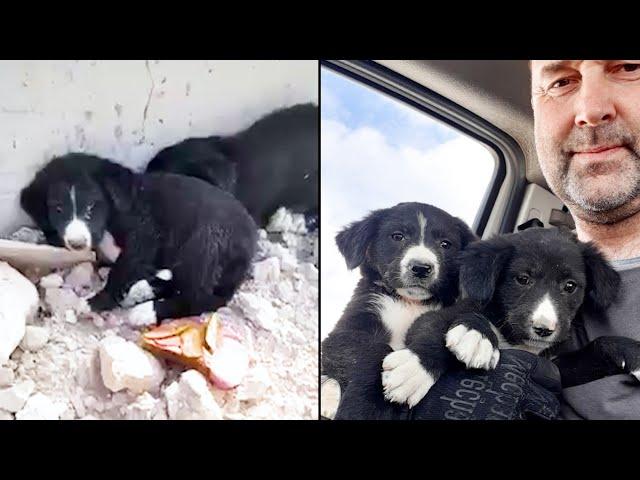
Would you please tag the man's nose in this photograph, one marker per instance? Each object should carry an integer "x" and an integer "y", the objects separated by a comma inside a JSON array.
[{"x": 594, "y": 103}]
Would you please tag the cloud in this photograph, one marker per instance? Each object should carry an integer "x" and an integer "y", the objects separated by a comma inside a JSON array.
[{"x": 362, "y": 170}]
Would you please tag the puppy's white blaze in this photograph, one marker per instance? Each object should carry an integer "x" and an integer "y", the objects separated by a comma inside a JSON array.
[
  {"x": 422, "y": 223},
  {"x": 398, "y": 316},
  {"x": 77, "y": 232},
  {"x": 164, "y": 274},
  {"x": 72, "y": 194},
  {"x": 139, "y": 292},
  {"x": 404, "y": 379},
  {"x": 636, "y": 374},
  {"x": 545, "y": 315}
]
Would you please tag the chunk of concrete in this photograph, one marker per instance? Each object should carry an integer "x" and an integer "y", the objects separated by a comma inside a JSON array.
[
  {"x": 189, "y": 398},
  {"x": 34, "y": 338},
  {"x": 18, "y": 304},
  {"x": 124, "y": 364},
  {"x": 40, "y": 407}
]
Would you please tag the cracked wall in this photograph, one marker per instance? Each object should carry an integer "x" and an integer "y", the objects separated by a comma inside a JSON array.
[{"x": 129, "y": 110}]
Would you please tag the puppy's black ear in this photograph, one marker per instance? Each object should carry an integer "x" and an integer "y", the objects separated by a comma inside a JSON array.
[
  {"x": 354, "y": 240},
  {"x": 480, "y": 266},
  {"x": 603, "y": 282},
  {"x": 466, "y": 235},
  {"x": 118, "y": 184}
]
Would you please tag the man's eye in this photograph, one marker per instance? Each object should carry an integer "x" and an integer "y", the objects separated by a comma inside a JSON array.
[
  {"x": 627, "y": 71},
  {"x": 560, "y": 83}
]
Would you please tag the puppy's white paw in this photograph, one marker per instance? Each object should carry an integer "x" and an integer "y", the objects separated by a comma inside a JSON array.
[
  {"x": 404, "y": 379},
  {"x": 164, "y": 274},
  {"x": 139, "y": 292},
  {"x": 472, "y": 348},
  {"x": 329, "y": 398},
  {"x": 142, "y": 315}
]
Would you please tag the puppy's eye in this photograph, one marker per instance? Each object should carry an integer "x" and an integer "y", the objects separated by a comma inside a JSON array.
[
  {"x": 523, "y": 279},
  {"x": 570, "y": 286},
  {"x": 445, "y": 244},
  {"x": 397, "y": 236},
  {"x": 59, "y": 209}
]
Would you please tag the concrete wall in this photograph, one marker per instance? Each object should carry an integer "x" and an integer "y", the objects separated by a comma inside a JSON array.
[{"x": 129, "y": 110}]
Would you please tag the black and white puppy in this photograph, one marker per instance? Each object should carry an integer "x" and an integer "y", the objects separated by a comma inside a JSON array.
[
  {"x": 66, "y": 202},
  {"x": 272, "y": 163},
  {"x": 407, "y": 259},
  {"x": 181, "y": 238},
  {"x": 521, "y": 291}
]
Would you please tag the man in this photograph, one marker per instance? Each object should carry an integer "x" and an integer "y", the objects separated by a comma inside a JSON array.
[{"x": 587, "y": 134}]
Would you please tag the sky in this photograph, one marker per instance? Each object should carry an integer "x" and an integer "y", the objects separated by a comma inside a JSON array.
[{"x": 377, "y": 152}]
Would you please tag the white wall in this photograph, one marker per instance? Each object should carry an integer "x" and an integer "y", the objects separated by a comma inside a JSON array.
[{"x": 52, "y": 107}]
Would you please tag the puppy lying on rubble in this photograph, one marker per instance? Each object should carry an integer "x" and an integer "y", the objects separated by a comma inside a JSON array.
[{"x": 184, "y": 242}]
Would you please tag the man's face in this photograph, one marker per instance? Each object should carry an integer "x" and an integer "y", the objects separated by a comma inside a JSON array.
[{"x": 587, "y": 132}]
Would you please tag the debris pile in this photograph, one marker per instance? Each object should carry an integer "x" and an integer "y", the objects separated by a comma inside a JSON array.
[{"x": 59, "y": 360}]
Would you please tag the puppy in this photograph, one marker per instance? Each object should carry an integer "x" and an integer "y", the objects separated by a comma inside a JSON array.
[
  {"x": 521, "y": 291},
  {"x": 181, "y": 238},
  {"x": 272, "y": 163},
  {"x": 407, "y": 259}
]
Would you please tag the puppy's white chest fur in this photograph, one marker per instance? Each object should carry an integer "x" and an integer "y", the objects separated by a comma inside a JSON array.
[{"x": 398, "y": 316}]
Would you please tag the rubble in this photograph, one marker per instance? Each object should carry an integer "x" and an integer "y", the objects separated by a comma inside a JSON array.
[
  {"x": 229, "y": 363},
  {"x": 13, "y": 398},
  {"x": 53, "y": 280},
  {"x": 257, "y": 309},
  {"x": 40, "y": 407},
  {"x": 4, "y": 415},
  {"x": 34, "y": 338},
  {"x": 80, "y": 279},
  {"x": 285, "y": 221},
  {"x": 189, "y": 398},
  {"x": 18, "y": 304},
  {"x": 123, "y": 364},
  {"x": 28, "y": 235},
  {"x": 145, "y": 407},
  {"x": 6, "y": 376},
  {"x": 267, "y": 270},
  {"x": 272, "y": 320}
]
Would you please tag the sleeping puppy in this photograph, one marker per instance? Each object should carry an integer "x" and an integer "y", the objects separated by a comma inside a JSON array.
[
  {"x": 272, "y": 163},
  {"x": 407, "y": 259},
  {"x": 521, "y": 291},
  {"x": 182, "y": 239}
]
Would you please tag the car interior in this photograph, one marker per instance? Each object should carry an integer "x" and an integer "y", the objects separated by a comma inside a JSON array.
[{"x": 488, "y": 100}]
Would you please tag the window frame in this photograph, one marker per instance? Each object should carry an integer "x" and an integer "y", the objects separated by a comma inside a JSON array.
[{"x": 508, "y": 176}]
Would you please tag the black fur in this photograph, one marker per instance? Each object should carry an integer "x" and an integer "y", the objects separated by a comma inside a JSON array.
[
  {"x": 272, "y": 163},
  {"x": 360, "y": 335},
  {"x": 493, "y": 296},
  {"x": 161, "y": 221}
]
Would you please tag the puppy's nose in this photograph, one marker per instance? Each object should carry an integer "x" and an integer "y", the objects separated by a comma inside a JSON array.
[
  {"x": 542, "y": 331},
  {"x": 421, "y": 270}
]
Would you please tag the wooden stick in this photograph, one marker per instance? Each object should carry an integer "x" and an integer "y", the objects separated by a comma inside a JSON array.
[{"x": 29, "y": 255}]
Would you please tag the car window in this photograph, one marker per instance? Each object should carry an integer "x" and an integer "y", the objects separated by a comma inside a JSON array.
[{"x": 376, "y": 152}]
